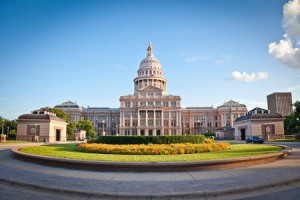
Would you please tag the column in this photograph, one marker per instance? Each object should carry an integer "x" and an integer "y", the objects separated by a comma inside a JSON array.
[
  {"x": 154, "y": 119},
  {"x": 162, "y": 130},
  {"x": 146, "y": 118},
  {"x": 138, "y": 118}
]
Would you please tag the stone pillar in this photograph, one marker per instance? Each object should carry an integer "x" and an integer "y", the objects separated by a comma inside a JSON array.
[
  {"x": 147, "y": 118},
  {"x": 154, "y": 119},
  {"x": 138, "y": 118}
]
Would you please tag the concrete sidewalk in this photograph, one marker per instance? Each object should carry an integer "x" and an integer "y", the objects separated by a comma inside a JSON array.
[{"x": 149, "y": 185}]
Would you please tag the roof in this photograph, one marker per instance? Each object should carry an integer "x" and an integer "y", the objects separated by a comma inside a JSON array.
[
  {"x": 200, "y": 108},
  {"x": 259, "y": 116},
  {"x": 68, "y": 104},
  {"x": 40, "y": 117},
  {"x": 232, "y": 103},
  {"x": 100, "y": 108},
  {"x": 228, "y": 128}
]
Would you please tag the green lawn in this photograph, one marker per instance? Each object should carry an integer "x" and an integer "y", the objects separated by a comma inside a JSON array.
[
  {"x": 69, "y": 151},
  {"x": 13, "y": 141}
]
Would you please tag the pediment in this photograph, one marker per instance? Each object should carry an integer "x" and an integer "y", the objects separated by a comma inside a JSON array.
[{"x": 151, "y": 89}]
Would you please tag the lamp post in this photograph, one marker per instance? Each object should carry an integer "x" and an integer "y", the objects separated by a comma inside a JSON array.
[
  {"x": 297, "y": 124},
  {"x": 117, "y": 130}
]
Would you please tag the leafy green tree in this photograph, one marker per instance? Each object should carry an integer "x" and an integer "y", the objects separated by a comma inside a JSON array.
[
  {"x": 86, "y": 125},
  {"x": 60, "y": 113},
  {"x": 292, "y": 122},
  {"x": 70, "y": 128},
  {"x": 9, "y": 125}
]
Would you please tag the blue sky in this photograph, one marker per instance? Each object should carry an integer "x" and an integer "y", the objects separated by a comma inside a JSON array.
[{"x": 52, "y": 51}]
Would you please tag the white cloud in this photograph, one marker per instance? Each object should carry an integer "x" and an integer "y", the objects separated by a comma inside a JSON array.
[
  {"x": 291, "y": 18},
  {"x": 286, "y": 50},
  {"x": 297, "y": 87},
  {"x": 236, "y": 75}
]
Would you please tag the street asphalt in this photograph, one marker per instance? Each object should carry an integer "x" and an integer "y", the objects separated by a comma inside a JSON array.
[{"x": 25, "y": 180}]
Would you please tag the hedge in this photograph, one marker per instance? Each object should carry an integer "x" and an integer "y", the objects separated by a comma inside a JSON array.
[
  {"x": 152, "y": 149},
  {"x": 194, "y": 139}
]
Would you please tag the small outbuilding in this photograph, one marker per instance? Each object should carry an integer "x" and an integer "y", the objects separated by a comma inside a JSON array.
[
  {"x": 259, "y": 122},
  {"x": 225, "y": 133},
  {"x": 41, "y": 126}
]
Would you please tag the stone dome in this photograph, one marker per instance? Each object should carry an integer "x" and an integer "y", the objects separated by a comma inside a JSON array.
[
  {"x": 150, "y": 61},
  {"x": 150, "y": 73}
]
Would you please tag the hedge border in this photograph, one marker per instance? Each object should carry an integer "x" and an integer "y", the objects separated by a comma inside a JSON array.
[{"x": 194, "y": 139}]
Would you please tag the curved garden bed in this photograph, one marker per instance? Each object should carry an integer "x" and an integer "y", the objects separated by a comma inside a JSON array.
[{"x": 67, "y": 156}]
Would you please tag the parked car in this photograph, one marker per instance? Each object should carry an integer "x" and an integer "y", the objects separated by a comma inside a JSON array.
[{"x": 255, "y": 139}]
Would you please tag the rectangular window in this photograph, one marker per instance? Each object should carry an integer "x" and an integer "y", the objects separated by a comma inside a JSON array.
[
  {"x": 166, "y": 122},
  {"x": 173, "y": 123},
  {"x": 127, "y": 104},
  {"x": 150, "y": 114},
  {"x": 134, "y": 123},
  {"x": 127, "y": 123},
  {"x": 173, "y": 104},
  {"x": 166, "y": 114},
  {"x": 150, "y": 122},
  {"x": 143, "y": 122},
  {"x": 158, "y": 123},
  {"x": 158, "y": 114},
  {"x": 166, "y": 104}
]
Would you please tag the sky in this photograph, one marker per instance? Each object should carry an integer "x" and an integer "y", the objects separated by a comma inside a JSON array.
[{"x": 211, "y": 51}]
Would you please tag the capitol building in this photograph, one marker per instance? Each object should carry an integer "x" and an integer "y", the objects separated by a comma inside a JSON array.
[{"x": 150, "y": 110}]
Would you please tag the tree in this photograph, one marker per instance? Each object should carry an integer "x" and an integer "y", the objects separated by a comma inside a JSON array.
[
  {"x": 62, "y": 114},
  {"x": 9, "y": 125},
  {"x": 86, "y": 125},
  {"x": 292, "y": 122}
]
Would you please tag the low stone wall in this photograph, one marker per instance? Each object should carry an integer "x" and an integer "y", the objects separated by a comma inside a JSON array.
[
  {"x": 276, "y": 136},
  {"x": 152, "y": 166}
]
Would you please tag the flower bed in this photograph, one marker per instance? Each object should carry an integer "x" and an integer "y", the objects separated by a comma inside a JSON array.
[{"x": 153, "y": 149}]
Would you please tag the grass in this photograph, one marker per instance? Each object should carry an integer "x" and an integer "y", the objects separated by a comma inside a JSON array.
[
  {"x": 13, "y": 141},
  {"x": 69, "y": 151}
]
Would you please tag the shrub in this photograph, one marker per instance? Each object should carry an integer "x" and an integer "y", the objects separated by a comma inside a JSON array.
[
  {"x": 152, "y": 149},
  {"x": 209, "y": 134},
  {"x": 194, "y": 139}
]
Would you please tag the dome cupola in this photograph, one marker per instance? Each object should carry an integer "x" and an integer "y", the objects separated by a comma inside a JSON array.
[{"x": 150, "y": 72}]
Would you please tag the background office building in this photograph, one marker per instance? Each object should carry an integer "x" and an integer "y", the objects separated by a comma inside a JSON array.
[
  {"x": 150, "y": 110},
  {"x": 281, "y": 103}
]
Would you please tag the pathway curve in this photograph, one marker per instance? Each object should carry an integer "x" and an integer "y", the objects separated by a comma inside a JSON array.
[{"x": 199, "y": 184}]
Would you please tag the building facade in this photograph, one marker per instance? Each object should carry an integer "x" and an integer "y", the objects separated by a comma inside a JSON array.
[
  {"x": 259, "y": 122},
  {"x": 281, "y": 103},
  {"x": 41, "y": 125},
  {"x": 150, "y": 110}
]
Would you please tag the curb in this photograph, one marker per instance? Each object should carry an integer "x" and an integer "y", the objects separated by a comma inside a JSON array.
[
  {"x": 152, "y": 166},
  {"x": 179, "y": 195}
]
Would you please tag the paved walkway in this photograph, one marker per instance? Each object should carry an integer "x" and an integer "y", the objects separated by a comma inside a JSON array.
[{"x": 149, "y": 185}]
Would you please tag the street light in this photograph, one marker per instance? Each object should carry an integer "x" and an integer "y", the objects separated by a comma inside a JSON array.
[
  {"x": 297, "y": 124},
  {"x": 7, "y": 131},
  {"x": 198, "y": 124}
]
